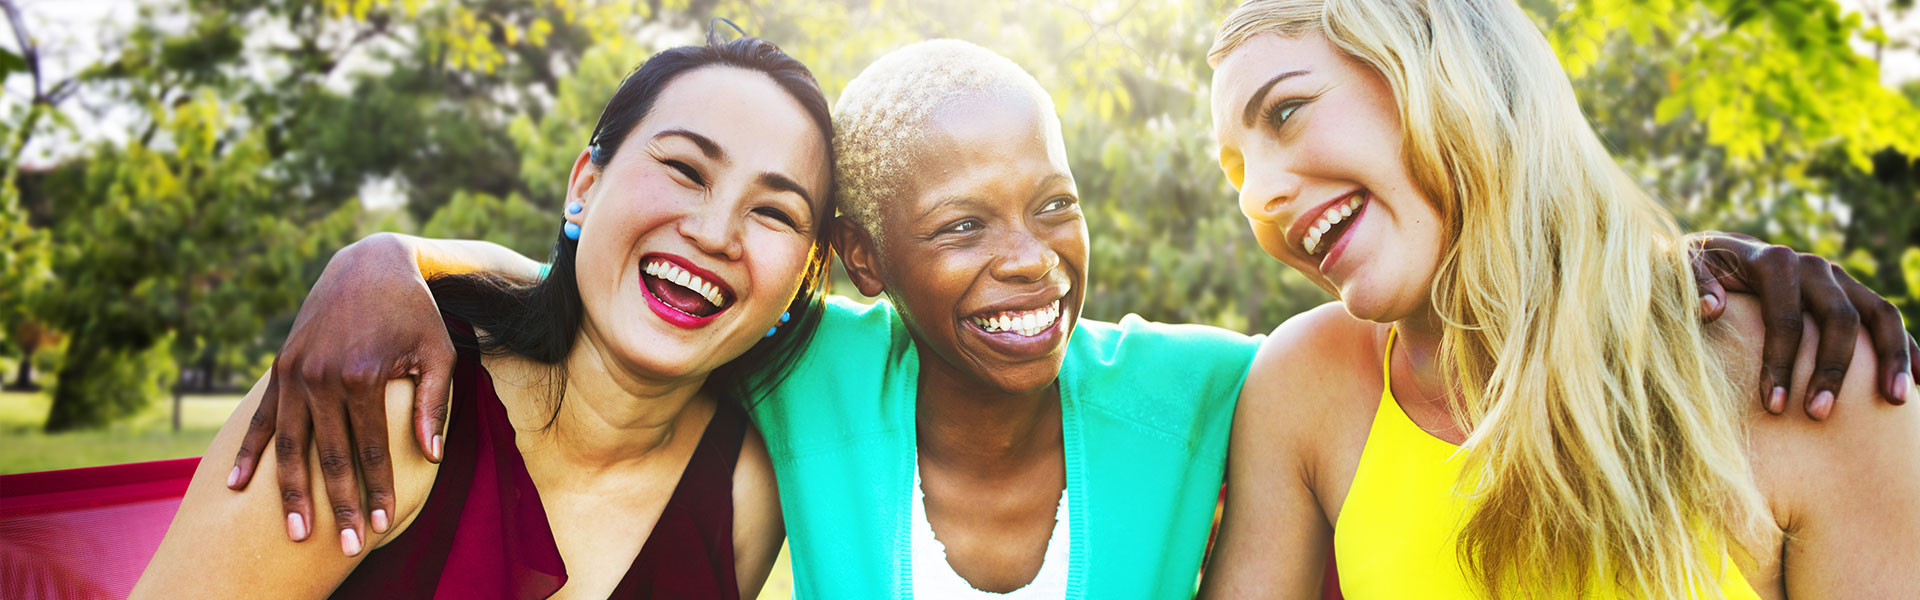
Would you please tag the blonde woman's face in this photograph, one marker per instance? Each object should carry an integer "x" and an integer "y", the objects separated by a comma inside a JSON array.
[{"x": 1312, "y": 140}]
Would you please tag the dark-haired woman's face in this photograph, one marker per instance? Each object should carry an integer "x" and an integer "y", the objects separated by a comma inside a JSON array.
[
  {"x": 987, "y": 249},
  {"x": 696, "y": 234}
]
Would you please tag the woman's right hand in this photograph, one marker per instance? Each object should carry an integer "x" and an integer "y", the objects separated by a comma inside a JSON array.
[{"x": 368, "y": 320}]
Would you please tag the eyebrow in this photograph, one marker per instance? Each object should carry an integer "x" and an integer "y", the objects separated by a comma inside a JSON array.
[
  {"x": 707, "y": 146},
  {"x": 944, "y": 202},
  {"x": 786, "y": 184},
  {"x": 1253, "y": 104}
]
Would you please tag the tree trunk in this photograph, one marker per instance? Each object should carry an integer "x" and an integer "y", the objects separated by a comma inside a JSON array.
[
  {"x": 70, "y": 409},
  {"x": 23, "y": 377},
  {"x": 178, "y": 392}
]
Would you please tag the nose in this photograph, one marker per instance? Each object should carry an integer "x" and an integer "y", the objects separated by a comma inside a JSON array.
[
  {"x": 1266, "y": 193},
  {"x": 715, "y": 230},
  {"x": 1026, "y": 258}
]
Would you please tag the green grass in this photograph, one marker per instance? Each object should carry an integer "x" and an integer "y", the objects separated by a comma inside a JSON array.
[{"x": 145, "y": 436}]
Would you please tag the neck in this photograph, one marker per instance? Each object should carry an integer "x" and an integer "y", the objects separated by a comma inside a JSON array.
[
  {"x": 1416, "y": 359},
  {"x": 963, "y": 422},
  {"x": 610, "y": 415}
]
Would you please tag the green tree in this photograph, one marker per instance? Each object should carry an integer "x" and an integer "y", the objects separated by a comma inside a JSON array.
[{"x": 172, "y": 246}]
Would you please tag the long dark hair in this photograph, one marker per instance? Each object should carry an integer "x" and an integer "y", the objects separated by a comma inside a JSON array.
[{"x": 540, "y": 319}]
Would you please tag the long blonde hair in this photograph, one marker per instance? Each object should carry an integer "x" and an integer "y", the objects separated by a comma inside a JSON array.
[{"x": 1606, "y": 449}]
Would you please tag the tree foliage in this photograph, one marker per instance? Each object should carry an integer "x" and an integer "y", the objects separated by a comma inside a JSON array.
[{"x": 265, "y": 120}]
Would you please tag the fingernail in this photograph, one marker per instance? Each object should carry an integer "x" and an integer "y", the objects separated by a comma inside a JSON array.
[
  {"x": 296, "y": 527},
  {"x": 1711, "y": 302},
  {"x": 1822, "y": 405},
  {"x": 1777, "y": 401},
  {"x": 233, "y": 477},
  {"x": 380, "y": 520},
  {"x": 1902, "y": 386},
  {"x": 349, "y": 542},
  {"x": 439, "y": 446}
]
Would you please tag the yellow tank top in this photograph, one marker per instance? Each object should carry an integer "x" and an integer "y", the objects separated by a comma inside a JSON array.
[{"x": 1397, "y": 533}]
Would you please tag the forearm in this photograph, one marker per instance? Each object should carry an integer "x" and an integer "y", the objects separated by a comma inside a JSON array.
[{"x": 442, "y": 257}]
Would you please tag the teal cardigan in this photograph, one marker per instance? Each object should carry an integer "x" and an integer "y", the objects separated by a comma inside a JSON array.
[{"x": 1145, "y": 411}]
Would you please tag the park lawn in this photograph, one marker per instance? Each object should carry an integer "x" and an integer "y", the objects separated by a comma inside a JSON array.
[{"x": 143, "y": 437}]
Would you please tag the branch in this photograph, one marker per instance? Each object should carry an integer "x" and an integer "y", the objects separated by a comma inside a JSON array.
[{"x": 28, "y": 52}]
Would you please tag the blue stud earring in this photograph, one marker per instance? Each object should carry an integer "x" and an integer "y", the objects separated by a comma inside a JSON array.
[
  {"x": 784, "y": 317},
  {"x": 570, "y": 228}
]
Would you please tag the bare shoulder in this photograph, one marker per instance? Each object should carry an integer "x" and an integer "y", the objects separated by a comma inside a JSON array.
[
  {"x": 224, "y": 543},
  {"x": 1320, "y": 365},
  {"x": 1845, "y": 491},
  {"x": 758, "y": 527}
]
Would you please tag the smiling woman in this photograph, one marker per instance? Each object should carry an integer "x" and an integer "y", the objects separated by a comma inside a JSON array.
[{"x": 595, "y": 448}]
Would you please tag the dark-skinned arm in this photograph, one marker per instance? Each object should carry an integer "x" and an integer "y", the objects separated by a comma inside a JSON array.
[{"x": 370, "y": 318}]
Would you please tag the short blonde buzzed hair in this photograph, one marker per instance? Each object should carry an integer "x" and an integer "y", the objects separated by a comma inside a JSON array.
[{"x": 880, "y": 118}]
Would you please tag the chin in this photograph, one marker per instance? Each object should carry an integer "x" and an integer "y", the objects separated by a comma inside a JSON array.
[{"x": 1379, "y": 306}]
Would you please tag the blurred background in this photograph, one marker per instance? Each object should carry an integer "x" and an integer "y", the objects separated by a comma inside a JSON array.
[{"x": 177, "y": 172}]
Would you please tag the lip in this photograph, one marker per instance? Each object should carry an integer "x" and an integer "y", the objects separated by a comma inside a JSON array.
[
  {"x": 1297, "y": 235},
  {"x": 673, "y": 315},
  {"x": 1014, "y": 345},
  {"x": 1028, "y": 301},
  {"x": 1334, "y": 254}
]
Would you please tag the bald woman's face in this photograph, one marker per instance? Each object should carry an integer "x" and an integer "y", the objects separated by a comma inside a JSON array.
[{"x": 985, "y": 251}]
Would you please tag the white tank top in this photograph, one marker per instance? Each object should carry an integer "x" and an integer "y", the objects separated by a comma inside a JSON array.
[{"x": 934, "y": 578}]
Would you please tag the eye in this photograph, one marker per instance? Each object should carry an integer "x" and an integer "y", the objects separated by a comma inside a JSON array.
[
  {"x": 777, "y": 215},
  {"x": 1278, "y": 114},
  {"x": 1057, "y": 204},
  {"x": 962, "y": 226},
  {"x": 687, "y": 171}
]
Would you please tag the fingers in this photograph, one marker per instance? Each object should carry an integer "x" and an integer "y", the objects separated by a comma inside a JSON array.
[
  {"x": 433, "y": 370},
  {"x": 290, "y": 456},
  {"x": 1713, "y": 295},
  {"x": 1776, "y": 274},
  {"x": 336, "y": 449},
  {"x": 366, "y": 386},
  {"x": 259, "y": 432},
  {"x": 1839, "y": 325},
  {"x": 1891, "y": 344}
]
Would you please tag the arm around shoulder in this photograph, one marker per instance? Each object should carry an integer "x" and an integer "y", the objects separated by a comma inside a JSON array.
[
  {"x": 1846, "y": 490},
  {"x": 227, "y": 544}
]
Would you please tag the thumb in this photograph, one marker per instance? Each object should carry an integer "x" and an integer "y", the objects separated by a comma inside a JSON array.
[{"x": 433, "y": 371}]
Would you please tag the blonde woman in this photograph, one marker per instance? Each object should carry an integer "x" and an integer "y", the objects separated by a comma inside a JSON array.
[{"x": 1514, "y": 395}]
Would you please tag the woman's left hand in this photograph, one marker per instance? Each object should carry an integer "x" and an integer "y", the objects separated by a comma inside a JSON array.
[{"x": 1789, "y": 284}]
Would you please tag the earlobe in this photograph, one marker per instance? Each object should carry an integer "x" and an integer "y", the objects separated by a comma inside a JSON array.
[
  {"x": 856, "y": 252},
  {"x": 579, "y": 182}
]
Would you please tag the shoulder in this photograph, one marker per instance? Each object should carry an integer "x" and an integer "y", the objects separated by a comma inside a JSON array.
[
  {"x": 1139, "y": 351},
  {"x": 1845, "y": 490},
  {"x": 757, "y": 524},
  {"x": 1315, "y": 370},
  {"x": 1321, "y": 345},
  {"x": 221, "y": 531}
]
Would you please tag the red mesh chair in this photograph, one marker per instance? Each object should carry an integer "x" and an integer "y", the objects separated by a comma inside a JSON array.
[{"x": 85, "y": 533}]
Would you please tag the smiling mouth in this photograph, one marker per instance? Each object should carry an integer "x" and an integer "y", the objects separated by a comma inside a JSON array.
[
  {"x": 681, "y": 290},
  {"x": 1332, "y": 224},
  {"x": 1026, "y": 323}
]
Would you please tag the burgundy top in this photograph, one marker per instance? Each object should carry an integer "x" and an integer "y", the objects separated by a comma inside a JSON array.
[{"x": 484, "y": 534}]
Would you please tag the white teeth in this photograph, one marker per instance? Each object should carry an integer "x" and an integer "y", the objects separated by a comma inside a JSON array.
[
  {"x": 672, "y": 273},
  {"x": 1027, "y": 323},
  {"x": 1333, "y": 216}
]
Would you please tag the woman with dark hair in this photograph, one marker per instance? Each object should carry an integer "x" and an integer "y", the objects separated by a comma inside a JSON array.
[{"x": 596, "y": 445}]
